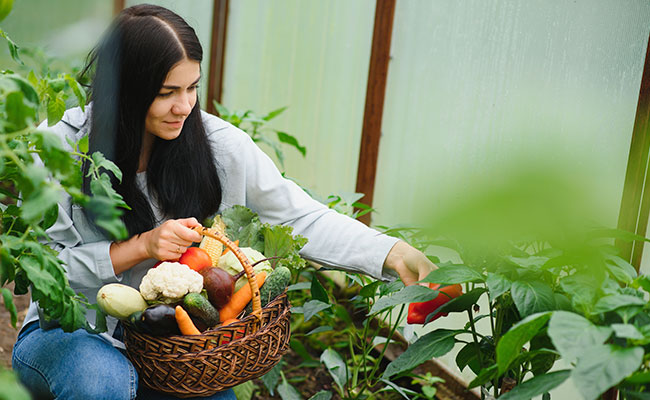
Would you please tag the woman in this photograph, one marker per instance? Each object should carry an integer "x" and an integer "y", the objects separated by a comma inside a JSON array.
[{"x": 179, "y": 166}]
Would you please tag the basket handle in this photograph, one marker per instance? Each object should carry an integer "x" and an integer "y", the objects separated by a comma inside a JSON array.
[{"x": 250, "y": 272}]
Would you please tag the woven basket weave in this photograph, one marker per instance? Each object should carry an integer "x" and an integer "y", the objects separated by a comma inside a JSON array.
[{"x": 218, "y": 359}]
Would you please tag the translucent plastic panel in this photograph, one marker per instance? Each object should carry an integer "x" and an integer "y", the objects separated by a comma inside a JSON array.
[
  {"x": 475, "y": 87},
  {"x": 311, "y": 56},
  {"x": 478, "y": 90},
  {"x": 197, "y": 13},
  {"x": 65, "y": 29}
]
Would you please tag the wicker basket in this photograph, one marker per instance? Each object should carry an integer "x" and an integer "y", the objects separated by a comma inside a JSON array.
[{"x": 201, "y": 365}]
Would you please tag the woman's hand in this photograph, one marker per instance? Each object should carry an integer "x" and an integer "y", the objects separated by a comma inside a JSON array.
[
  {"x": 170, "y": 240},
  {"x": 166, "y": 242},
  {"x": 410, "y": 264}
]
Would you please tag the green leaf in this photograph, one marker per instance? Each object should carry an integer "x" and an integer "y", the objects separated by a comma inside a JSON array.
[
  {"x": 13, "y": 48},
  {"x": 83, "y": 144},
  {"x": 279, "y": 241},
  {"x": 286, "y": 391},
  {"x": 537, "y": 386},
  {"x": 322, "y": 395},
  {"x": 511, "y": 343},
  {"x": 486, "y": 375},
  {"x": 244, "y": 225},
  {"x": 335, "y": 366},
  {"x": 55, "y": 109},
  {"x": 244, "y": 391},
  {"x": 102, "y": 162},
  {"x": 603, "y": 367},
  {"x": 274, "y": 113},
  {"x": 318, "y": 292},
  {"x": 497, "y": 284},
  {"x": 311, "y": 308},
  {"x": 627, "y": 331},
  {"x": 409, "y": 294},
  {"x": 39, "y": 202},
  {"x": 11, "y": 387},
  {"x": 639, "y": 377},
  {"x": 468, "y": 353},
  {"x": 271, "y": 378},
  {"x": 573, "y": 335},
  {"x": 10, "y": 306},
  {"x": 320, "y": 329},
  {"x": 460, "y": 303},
  {"x": 613, "y": 302},
  {"x": 433, "y": 344},
  {"x": 370, "y": 290},
  {"x": 79, "y": 93},
  {"x": 620, "y": 269},
  {"x": 532, "y": 297},
  {"x": 452, "y": 274},
  {"x": 291, "y": 141},
  {"x": 299, "y": 286}
]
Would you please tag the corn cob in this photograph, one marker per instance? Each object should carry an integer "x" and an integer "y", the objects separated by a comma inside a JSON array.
[{"x": 211, "y": 245}]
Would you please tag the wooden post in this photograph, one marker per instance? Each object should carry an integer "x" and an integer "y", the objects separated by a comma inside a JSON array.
[
  {"x": 217, "y": 53},
  {"x": 635, "y": 203},
  {"x": 118, "y": 5},
  {"x": 375, "y": 93}
]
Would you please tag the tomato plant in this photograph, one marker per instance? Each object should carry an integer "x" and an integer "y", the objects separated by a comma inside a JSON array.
[{"x": 196, "y": 258}]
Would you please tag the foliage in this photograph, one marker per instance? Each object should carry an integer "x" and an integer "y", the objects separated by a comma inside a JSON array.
[
  {"x": 36, "y": 170},
  {"x": 255, "y": 126}
]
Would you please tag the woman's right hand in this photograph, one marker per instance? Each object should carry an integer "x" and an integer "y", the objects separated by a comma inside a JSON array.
[{"x": 171, "y": 239}]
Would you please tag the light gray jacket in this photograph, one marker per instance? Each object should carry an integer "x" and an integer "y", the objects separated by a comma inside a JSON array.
[{"x": 248, "y": 177}]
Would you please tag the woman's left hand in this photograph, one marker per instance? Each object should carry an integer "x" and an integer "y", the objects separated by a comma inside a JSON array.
[{"x": 410, "y": 264}]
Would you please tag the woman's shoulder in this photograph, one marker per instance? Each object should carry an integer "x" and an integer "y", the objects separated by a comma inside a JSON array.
[
  {"x": 72, "y": 125},
  {"x": 222, "y": 132}
]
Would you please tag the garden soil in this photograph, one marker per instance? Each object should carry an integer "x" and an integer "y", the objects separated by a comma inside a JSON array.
[{"x": 7, "y": 332}]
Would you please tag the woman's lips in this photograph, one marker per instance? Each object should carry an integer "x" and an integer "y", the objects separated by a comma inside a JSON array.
[{"x": 174, "y": 124}]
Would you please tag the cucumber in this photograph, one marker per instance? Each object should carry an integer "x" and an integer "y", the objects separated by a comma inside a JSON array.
[
  {"x": 198, "y": 306},
  {"x": 274, "y": 285}
]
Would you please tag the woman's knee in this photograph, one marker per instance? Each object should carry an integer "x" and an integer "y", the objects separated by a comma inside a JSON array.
[{"x": 75, "y": 365}]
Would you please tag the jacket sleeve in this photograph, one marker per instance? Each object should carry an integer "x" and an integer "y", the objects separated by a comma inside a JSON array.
[
  {"x": 83, "y": 249},
  {"x": 334, "y": 240}
]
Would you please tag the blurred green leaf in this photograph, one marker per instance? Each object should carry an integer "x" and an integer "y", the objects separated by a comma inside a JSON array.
[
  {"x": 573, "y": 335},
  {"x": 532, "y": 297},
  {"x": 433, "y": 344},
  {"x": 452, "y": 274},
  {"x": 511, "y": 343}
]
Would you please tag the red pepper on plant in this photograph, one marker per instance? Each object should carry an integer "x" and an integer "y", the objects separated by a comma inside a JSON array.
[{"x": 418, "y": 312}]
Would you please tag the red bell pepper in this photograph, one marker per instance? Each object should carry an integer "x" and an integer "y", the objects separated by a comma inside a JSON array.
[{"x": 418, "y": 312}]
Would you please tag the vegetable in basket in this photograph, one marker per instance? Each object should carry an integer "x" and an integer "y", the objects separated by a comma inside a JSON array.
[{"x": 169, "y": 282}]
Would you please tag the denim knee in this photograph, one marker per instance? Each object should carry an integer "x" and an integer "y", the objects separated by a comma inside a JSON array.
[{"x": 75, "y": 365}]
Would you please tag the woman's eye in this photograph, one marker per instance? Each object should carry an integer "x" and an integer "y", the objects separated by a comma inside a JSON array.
[
  {"x": 193, "y": 87},
  {"x": 164, "y": 94}
]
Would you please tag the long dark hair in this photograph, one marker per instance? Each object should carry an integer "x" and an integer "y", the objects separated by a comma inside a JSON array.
[{"x": 130, "y": 65}]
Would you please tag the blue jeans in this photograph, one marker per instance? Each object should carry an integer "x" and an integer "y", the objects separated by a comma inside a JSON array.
[{"x": 79, "y": 365}]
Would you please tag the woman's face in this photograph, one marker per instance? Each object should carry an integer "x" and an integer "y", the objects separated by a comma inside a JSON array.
[{"x": 174, "y": 101}]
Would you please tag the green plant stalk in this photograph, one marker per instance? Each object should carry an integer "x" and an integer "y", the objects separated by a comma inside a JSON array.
[{"x": 473, "y": 329}]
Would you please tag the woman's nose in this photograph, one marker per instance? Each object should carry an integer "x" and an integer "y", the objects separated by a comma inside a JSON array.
[{"x": 183, "y": 105}]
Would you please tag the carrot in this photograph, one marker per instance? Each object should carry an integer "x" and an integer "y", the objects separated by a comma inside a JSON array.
[
  {"x": 236, "y": 242},
  {"x": 229, "y": 321},
  {"x": 185, "y": 323},
  {"x": 240, "y": 299}
]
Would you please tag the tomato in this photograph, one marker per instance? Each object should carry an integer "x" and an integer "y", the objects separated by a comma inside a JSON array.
[
  {"x": 196, "y": 258},
  {"x": 418, "y": 312}
]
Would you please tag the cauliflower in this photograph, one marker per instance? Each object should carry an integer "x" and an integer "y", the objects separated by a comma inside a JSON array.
[
  {"x": 170, "y": 281},
  {"x": 229, "y": 263}
]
